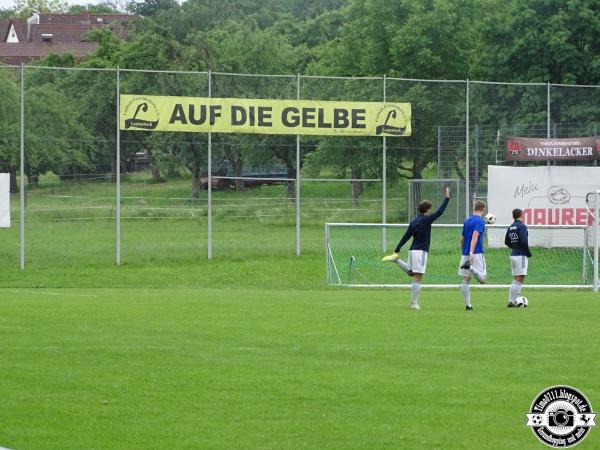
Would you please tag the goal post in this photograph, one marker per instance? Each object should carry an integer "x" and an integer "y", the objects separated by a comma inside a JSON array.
[
  {"x": 592, "y": 203},
  {"x": 353, "y": 256}
]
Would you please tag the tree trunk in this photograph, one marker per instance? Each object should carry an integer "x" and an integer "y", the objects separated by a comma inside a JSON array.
[
  {"x": 357, "y": 186},
  {"x": 113, "y": 165},
  {"x": 196, "y": 182},
  {"x": 33, "y": 180},
  {"x": 238, "y": 171},
  {"x": 291, "y": 185},
  {"x": 155, "y": 173},
  {"x": 14, "y": 186}
]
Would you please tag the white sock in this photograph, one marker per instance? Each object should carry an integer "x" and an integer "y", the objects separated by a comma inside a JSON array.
[
  {"x": 416, "y": 287},
  {"x": 480, "y": 277},
  {"x": 464, "y": 288},
  {"x": 402, "y": 265},
  {"x": 514, "y": 291}
]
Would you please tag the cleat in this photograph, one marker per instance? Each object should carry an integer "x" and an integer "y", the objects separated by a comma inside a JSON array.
[
  {"x": 511, "y": 305},
  {"x": 466, "y": 265},
  {"x": 391, "y": 258},
  {"x": 468, "y": 308},
  {"x": 415, "y": 306}
]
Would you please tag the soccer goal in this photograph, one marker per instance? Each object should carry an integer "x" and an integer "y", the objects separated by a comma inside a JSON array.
[{"x": 353, "y": 256}]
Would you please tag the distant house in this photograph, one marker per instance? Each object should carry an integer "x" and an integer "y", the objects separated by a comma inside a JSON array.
[{"x": 24, "y": 40}]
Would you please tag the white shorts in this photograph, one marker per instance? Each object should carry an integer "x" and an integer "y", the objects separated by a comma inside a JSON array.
[
  {"x": 519, "y": 264},
  {"x": 478, "y": 264},
  {"x": 417, "y": 261}
]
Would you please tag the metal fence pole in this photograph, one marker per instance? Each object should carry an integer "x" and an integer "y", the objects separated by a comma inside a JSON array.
[
  {"x": 118, "y": 168},
  {"x": 384, "y": 179},
  {"x": 548, "y": 115},
  {"x": 298, "y": 211},
  {"x": 209, "y": 187},
  {"x": 596, "y": 240},
  {"x": 22, "y": 169},
  {"x": 467, "y": 163}
]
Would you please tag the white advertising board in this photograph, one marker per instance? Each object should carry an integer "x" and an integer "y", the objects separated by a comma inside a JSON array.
[
  {"x": 548, "y": 195},
  {"x": 4, "y": 200}
]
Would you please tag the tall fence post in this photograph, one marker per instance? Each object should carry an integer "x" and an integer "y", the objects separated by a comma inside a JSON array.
[
  {"x": 298, "y": 211},
  {"x": 384, "y": 180},
  {"x": 118, "y": 168},
  {"x": 209, "y": 177},
  {"x": 22, "y": 169},
  {"x": 548, "y": 115},
  {"x": 467, "y": 163}
]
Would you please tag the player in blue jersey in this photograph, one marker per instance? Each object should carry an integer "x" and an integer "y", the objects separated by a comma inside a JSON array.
[
  {"x": 517, "y": 239},
  {"x": 420, "y": 231},
  {"x": 472, "y": 261}
]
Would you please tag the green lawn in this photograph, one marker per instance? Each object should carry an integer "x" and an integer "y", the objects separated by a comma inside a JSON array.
[
  {"x": 290, "y": 368},
  {"x": 253, "y": 349}
]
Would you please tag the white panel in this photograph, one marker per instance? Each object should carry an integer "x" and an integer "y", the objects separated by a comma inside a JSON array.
[{"x": 4, "y": 200}]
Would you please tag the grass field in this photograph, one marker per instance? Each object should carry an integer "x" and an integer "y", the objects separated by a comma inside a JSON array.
[
  {"x": 254, "y": 350},
  {"x": 288, "y": 368}
]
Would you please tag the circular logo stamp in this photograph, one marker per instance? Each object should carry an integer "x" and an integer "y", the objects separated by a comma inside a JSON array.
[{"x": 560, "y": 416}]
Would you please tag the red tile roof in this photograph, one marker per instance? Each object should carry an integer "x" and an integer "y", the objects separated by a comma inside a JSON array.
[
  {"x": 67, "y": 32},
  {"x": 15, "y": 54}
]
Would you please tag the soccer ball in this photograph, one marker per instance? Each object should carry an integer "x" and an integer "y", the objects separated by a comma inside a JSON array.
[
  {"x": 490, "y": 218},
  {"x": 521, "y": 302}
]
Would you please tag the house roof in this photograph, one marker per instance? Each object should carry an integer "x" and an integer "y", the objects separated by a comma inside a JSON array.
[
  {"x": 15, "y": 54},
  {"x": 64, "y": 34}
]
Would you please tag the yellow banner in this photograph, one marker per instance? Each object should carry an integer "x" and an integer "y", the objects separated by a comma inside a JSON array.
[{"x": 236, "y": 115}]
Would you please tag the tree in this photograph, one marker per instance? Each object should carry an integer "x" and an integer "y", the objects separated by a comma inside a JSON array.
[
  {"x": 9, "y": 127},
  {"x": 25, "y": 8}
]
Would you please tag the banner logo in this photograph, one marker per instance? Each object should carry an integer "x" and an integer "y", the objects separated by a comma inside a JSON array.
[
  {"x": 558, "y": 195},
  {"x": 560, "y": 417},
  {"x": 395, "y": 121},
  {"x": 514, "y": 147},
  {"x": 142, "y": 114}
]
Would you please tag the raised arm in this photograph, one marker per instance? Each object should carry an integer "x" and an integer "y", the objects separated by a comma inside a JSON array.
[{"x": 442, "y": 207}]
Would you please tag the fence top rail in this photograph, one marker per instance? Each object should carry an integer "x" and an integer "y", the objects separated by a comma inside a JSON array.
[
  {"x": 185, "y": 72},
  {"x": 511, "y": 83},
  {"x": 426, "y": 80},
  {"x": 80, "y": 69},
  {"x": 576, "y": 85},
  {"x": 260, "y": 75},
  {"x": 450, "y": 225},
  {"x": 300, "y": 76}
]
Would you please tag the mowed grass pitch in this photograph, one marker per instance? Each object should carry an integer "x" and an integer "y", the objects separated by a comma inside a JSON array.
[{"x": 289, "y": 368}]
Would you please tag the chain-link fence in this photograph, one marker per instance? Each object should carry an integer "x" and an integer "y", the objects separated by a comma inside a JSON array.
[{"x": 144, "y": 197}]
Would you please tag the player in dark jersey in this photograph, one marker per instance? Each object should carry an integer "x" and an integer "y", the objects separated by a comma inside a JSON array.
[
  {"x": 517, "y": 238},
  {"x": 420, "y": 231},
  {"x": 472, "y": 261}
]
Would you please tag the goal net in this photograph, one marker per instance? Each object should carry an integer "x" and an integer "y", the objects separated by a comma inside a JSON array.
[
  {"x": 592, "y": 202},
  {"x": 419, "y": 189},
  {"x": 354, "y": 252}
]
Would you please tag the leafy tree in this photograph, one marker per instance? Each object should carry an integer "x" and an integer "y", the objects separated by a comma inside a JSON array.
[
  {"x": 25, "y": 8},
  {"x": 9, "y": 127},
  {"x": 61, "y": 145}
]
